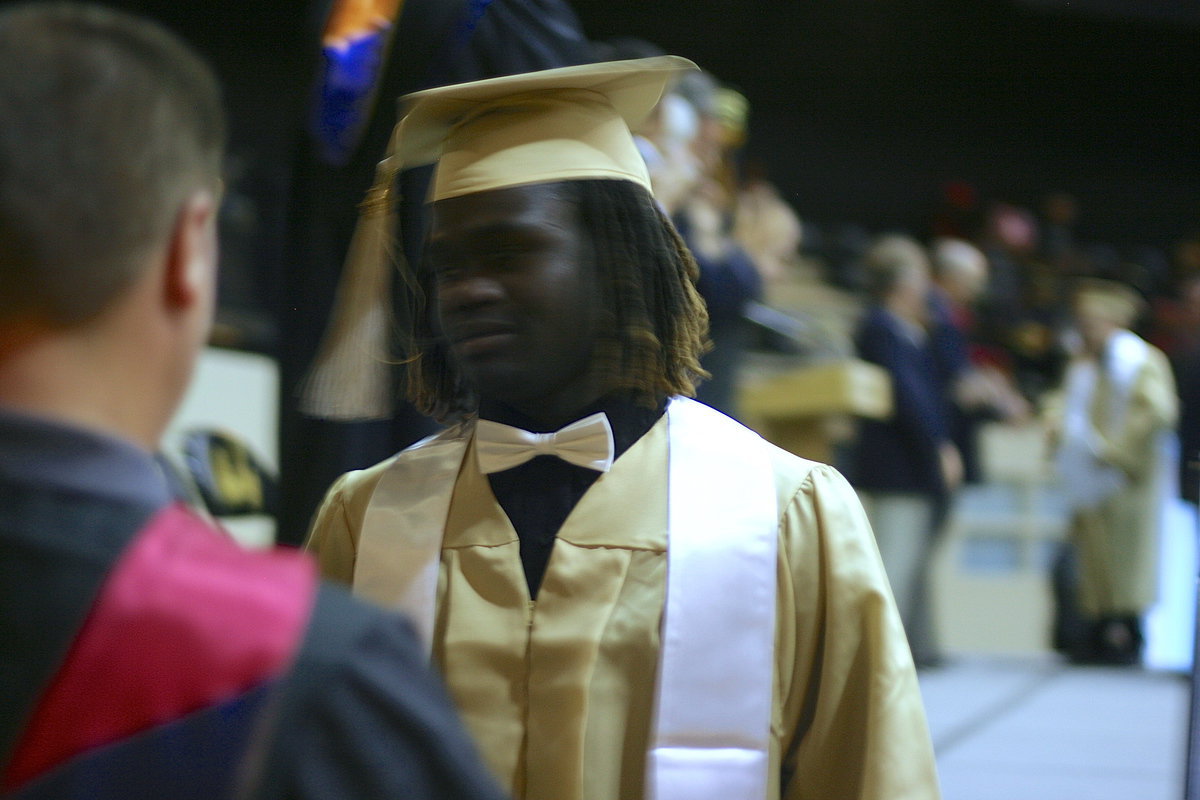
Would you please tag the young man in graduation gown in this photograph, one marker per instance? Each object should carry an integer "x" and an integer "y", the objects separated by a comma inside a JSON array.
[
  {"x": 628, "y": 593},
  {"x": 1117, "y": 408},
  {"x": 142, "y": 653}
]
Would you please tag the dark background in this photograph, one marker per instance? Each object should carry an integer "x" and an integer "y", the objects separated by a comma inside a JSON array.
[{"x": 860, "y": 109}]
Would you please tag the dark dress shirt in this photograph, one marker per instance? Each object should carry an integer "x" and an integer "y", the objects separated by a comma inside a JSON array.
[
  {"x": 900, "y": 454},
  {"x": 951, "y": 352},
  {"x": 538, "y": 495}
]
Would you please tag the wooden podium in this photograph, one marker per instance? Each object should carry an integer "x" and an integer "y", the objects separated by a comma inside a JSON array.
[{"x": 809, "y": 409}]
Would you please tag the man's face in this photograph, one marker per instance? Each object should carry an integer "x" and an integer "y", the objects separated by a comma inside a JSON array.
[
  {"x": 910, "y": 296},
  {"x": 517, "y": 299},
  {"x": 1094, "y": 326},
  {"x": 970, "y": 282}
]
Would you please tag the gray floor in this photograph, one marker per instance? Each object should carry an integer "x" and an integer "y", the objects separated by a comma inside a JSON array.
[{"x": 1037, "y": 729}]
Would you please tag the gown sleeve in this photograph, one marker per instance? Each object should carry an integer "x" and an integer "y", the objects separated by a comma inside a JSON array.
[
  {"x": 1153, "y": 406},
  {"x": 333, "y": 535},
  {"x": 363, "y": 716},
  {"x": 853, "y": 723}
]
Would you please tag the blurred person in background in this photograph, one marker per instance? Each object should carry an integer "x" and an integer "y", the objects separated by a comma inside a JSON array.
[
  {"x": 729, "y": 278},
  {"x": 690, "y": 143},
  {"x": 1059, "y": 242},
  {"x": 1111, "y": 429},
  {"x": 767, "y": 226},
  {"x": 341, "y": 397},
  {"x": 975, "y": 390},
  {"x": 1021, "y": 314},
  {"x": 142, "y": 652},
  {"x": 979, "y": 391},
  {"x": 907, "y": 466}
]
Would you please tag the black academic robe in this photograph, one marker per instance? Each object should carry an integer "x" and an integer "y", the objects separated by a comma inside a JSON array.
[
  {"x": 438, "y": 42},
  {"x": 144, "y": 654}
]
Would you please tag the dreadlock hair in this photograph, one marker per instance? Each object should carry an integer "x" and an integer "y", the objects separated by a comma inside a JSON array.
[{"x": 654, "y": 322}]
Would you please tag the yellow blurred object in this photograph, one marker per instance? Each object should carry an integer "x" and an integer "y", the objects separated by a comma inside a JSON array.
[
  {"x": 1110, "y": 300},
  {"x": 350, "y": 19},
  {"x": 236, "y": 479},
  {"x": 732, "y": 110},
  {"x": 1031, "y": 338},
  {"x": 228, "y": 477},
  {"x": 807, "y": 410}
]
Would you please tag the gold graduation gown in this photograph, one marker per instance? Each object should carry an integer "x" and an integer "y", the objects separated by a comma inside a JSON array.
[
  {"x": 1117, "y": 541},
  {"x": 559, "y": 693}
]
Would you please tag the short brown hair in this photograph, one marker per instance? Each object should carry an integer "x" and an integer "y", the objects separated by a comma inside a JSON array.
[
  {"x": 107, "y": 122},
  {"x": 889, "y": 260}
]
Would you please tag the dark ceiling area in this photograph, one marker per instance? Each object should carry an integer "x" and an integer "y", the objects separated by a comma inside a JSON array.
[{"x": 860, "y": 109}]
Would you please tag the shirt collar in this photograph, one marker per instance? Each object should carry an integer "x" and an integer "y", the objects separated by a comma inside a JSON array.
[
  {"x": 909, "y": 330},
  {"x": 56, "y": 455}
]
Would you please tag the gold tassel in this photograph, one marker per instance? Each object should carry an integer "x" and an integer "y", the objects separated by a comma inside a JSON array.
[{"x": 350, "y": 379}]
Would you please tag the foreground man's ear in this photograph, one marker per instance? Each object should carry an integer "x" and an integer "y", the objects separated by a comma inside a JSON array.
[{"x": 191, "y": 256}]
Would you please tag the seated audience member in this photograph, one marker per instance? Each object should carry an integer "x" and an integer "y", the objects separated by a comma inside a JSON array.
[{"x": 142, "y": 653}]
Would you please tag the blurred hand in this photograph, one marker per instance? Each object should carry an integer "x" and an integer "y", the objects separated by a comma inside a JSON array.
[
  {"x": 952, "y": 466},
  {"x": 1053, "y": 428},
  {"x": 986, "y": 388}
]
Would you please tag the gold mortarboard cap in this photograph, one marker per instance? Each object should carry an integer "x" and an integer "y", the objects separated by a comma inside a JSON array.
[
  {"x": 1112, "y": 300},
  {"x": 539, "y": 127}
]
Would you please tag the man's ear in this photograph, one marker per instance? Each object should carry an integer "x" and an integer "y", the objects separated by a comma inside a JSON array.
[{"x": 192, "y": 250}]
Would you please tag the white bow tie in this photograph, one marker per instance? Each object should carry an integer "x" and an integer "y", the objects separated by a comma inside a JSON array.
[{"x": 586, "y": 443}]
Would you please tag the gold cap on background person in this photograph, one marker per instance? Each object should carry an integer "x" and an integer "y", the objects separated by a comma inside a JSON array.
[{"x": 1114, "y": 301}]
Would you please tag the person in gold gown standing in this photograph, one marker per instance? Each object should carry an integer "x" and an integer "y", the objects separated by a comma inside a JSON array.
[
  {"x": 1118, "y": 406},
  {"x": 627, "y": 593}
]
